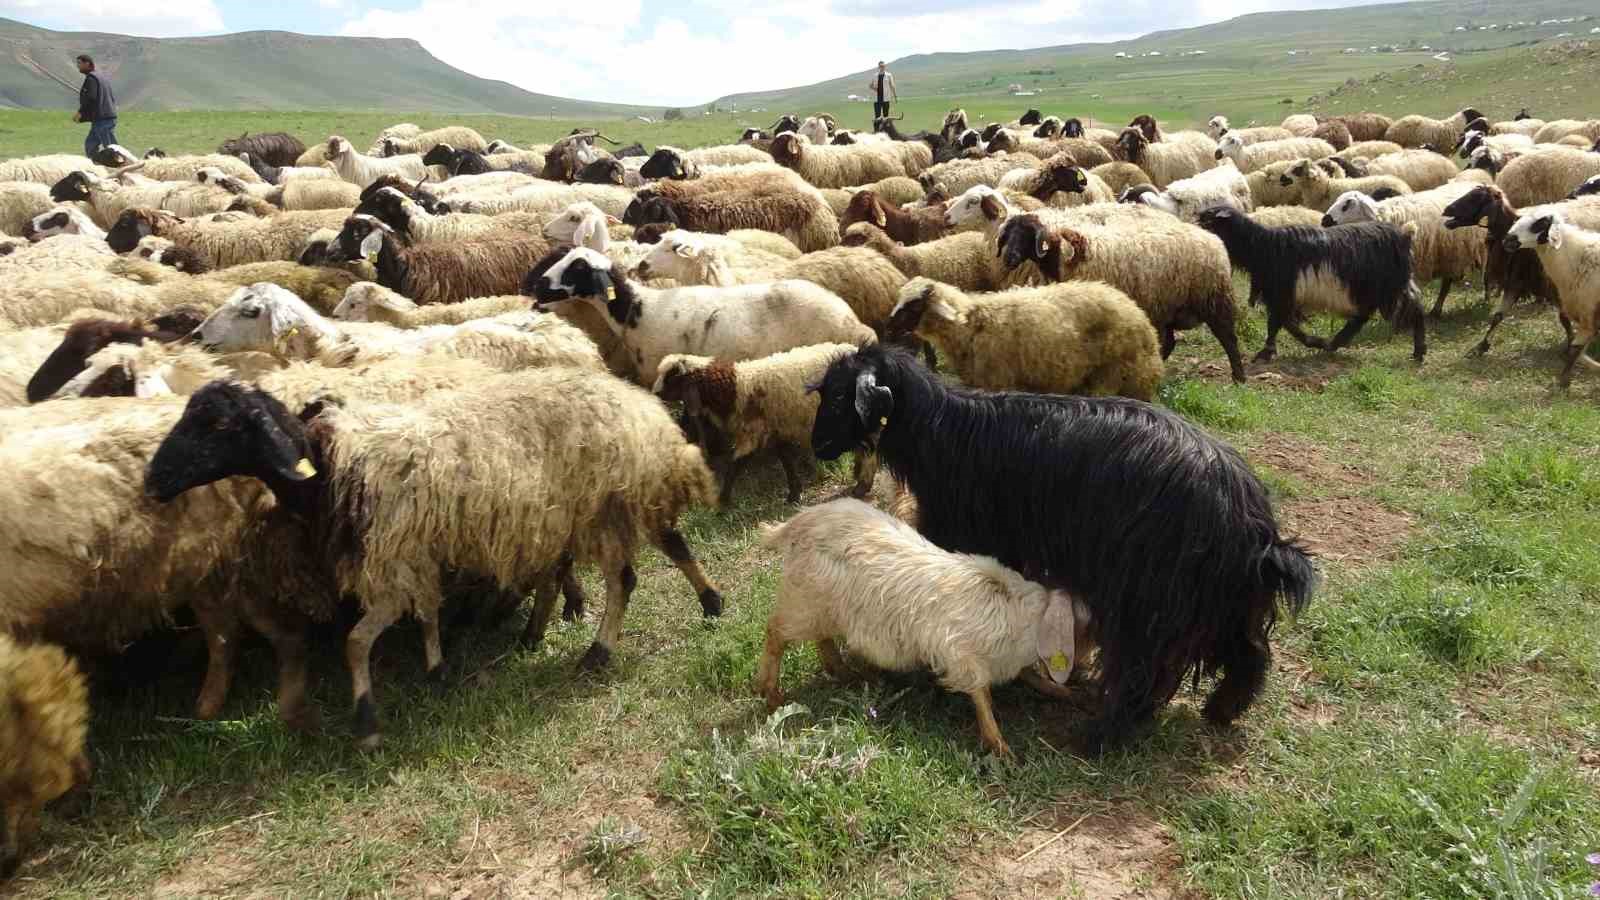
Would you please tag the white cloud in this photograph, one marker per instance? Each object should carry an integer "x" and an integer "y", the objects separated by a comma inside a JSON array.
[
  {"x": 694, "y": 51},
  {"x": 166, "y": 18}
]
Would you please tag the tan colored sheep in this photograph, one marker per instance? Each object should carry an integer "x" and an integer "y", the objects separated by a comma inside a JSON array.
[{"x": 44, "y": 721}]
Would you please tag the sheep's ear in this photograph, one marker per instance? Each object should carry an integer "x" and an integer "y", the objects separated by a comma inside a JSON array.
[
  {"x": 879, "y": 216},
  {"x": 1044, "y": 244},
  {"x": 1553, "y": 234},
  {"x": 1057, "y": 631},
  {"x": 874, "y": 402},
  {"x": 394, "y": 302},
  {"x": 991, "y": 206},
  {"x": 589, "y": 233}
]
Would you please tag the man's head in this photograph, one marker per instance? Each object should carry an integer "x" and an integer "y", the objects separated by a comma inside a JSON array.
[
  {"x": 880, "y": 65},
  {"x": 85, "y": 63}
]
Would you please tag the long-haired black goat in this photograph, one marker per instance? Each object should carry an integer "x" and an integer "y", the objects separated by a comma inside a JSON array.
[
  {"x": 1160, "y": 528},
  {"x": 275, "y": 148},
  {"x": 1352, "y": 270}
]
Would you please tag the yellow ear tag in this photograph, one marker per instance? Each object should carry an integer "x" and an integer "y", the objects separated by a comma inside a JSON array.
[
  {"x": 304, "y": 467},
  {"x": 611, "y": 292},
  {"x": 883, "y": 421},
  {"x": 293, "y": 332},
  {"x": 1059, "y": 663}
]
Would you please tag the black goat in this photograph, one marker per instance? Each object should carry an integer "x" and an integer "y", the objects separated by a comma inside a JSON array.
[
  {"x": 1031, "y": 117},
  {"x": 1161, "y": 529},
  {"x": 1353, "y": 270},
  {"x": 456, "y": 162}
]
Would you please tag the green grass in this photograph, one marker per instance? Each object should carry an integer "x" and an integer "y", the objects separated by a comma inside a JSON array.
[{"x": 1428, "y": 731}]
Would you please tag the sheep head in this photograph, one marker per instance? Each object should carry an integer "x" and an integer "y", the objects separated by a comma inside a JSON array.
[
  {"x": 786, "y": 149},
  {"x": 136, "y": 224},
  {"x": 1302, "y": 171},
  {"x": 1352, "y": 206},
  {"x": 705, "y": 387},
  {"x": 1590, "y": 187},
  {"x": 113, "y": 156},
  {"x": 230, "y": 429},
  {"x": 979, "y": 206},
  {"x": 865, "y": 234},
  {"x": 919, "y": 298},
  {"x": 1031, "y": 117},
  {"x": 1468, "y": 114},
  {"x": 1147, "y": 127},
  {"x": 264, "y": 317},
  {"x": 75, "y": 186},
  {"x": 363, "y": 300},
  {"x": 645, "y": 210},
  {"x": 1532, "y": 231},
  {"x": 602, "y": 171},
  {"x": 1217, "y": 127},
  {"x": 666, "y": 162},
  {"x": 1062, "y": 177},
  {"x": 583, "y": 274},
  {"x": 864, "y": 206},
  {"x": 1072, "y": 128},
  {"x": 581, "y": 225},
  {"x": 338, "y": 147},
  {"x": 1048, "y": 128},
  {"x": 1131, "y": 144},
  {"x": 856, "y": 402},
  {"x": 1473, "y": 207},
  {"x": 57, "y": 221},
  {"x": 1228, "y": 146}
]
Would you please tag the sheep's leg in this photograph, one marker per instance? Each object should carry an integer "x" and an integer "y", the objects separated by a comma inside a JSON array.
[
  {"x": 671, "y": 543},
  {"x": 1349, "y": 331},
  {"x": 1291, "y": 324},
  {"x": 1444, "y": 291},
  {"x": 1566, "y": 325},
  {"x": 620, "y": 582},
  {"x": 771, "y": 664},
  {"x": 285, "y": 630},
  {"x": 221, "y": 630},
  {"x": 988, "y": 728},
  {"x": 789, "y": 458},
  {"x": 358, "y": 658},
  {"x": 865, "y": 468},
  {"x": 1494, "y": 321},
  {"x": 1169, "y": 340},
  {"x": 572, "y": 610},
  {"x": 1575, "y": 351},
  {"x": 544, "y": 602},
  {"x": 1222, "y": 328},
  {"x": 730, "y": 468},
  {"x": 832, "y": 659},
  {"x": 1244, "y": 659},
  {"x": 433, "y": 651},
  {"x": 1269, "y": 349}
]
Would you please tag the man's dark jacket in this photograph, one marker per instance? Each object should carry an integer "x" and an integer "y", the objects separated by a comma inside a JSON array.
[{"x": 96, "y": 100}]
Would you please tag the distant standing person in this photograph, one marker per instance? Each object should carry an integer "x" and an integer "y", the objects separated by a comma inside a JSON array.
[
  {"x": 97, "y": 105},
  {"x": 883, "y": 84}
]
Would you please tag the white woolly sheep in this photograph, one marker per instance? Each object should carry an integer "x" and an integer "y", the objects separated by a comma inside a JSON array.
[
  {"x": 1571, "y": 260},
  {"x": 458, "y": 136},
  {"x": 1249, "y": 158},
  {"x": 827, "y": 166},
  {"x": 362, "y": 170},
  {"x": 1369, "y": 150},
  {"x": 734, "y": 323},
  {"x": 44, "y": 720},
  {"x": 1185, "y": 198},
  {"x": 1218, "y": 126},
  {"x": 1553, "y": 132},
  {"x": 47, "y": 169},
  {"x": 1067, "y": 338},
  {"x": 852, "y": 572},
  {"x": 1314, "y": 188},
  {"x": 266, "y": 318},
  {"x": 367, "y": 301},
  {"x": 965, "y": 260},
  {"x": 106, "y": 198},
  {"x": 739, "y": 408},
  {"x": 20, "y": 202},
  {"x": 1413, "y": 132},
  {"x": 1180, "y": 156},
  {"x": 959, "y": 175},
  {"x": 1421, "y": 170},
  {"x": 1546, "y": 176},
  {"x": 223, "y": 244},
  {"x": 569, "y": 467}
]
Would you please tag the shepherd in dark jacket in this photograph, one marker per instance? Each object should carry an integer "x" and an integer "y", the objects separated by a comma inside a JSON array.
[{"x": 97, "y": 105}]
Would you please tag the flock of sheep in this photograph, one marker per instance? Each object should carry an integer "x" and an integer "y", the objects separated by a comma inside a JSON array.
[{"x": 447, "y": 372}]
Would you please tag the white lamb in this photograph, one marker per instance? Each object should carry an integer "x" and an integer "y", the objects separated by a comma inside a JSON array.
[
  {"x": 1185, "y": 198},
  {"x": 854, "y": 572},
  {"x": 1571, "y": 260}
]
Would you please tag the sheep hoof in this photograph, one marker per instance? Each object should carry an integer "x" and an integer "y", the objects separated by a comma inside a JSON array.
[
  {"x": 1479, "y": 350},
  {"x": 598, "y": 657},
  {"x": 366, "y": 725},
  {"x": 710, "y": 603},
  {"x": 303, "y": 721},
  {"x": 1265, "y": 356},
  {"x": 774, "y": 700},
  {"x": 439, "y": 676}
]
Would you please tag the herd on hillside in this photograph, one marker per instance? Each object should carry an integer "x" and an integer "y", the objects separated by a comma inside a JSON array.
[{"x": 446, "y": 374}]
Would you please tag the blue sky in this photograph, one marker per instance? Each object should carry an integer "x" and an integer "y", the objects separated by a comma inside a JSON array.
[{"x": 671, "y": 53}]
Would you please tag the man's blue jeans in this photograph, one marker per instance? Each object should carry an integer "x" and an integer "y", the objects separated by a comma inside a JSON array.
[{"x": 101, "y": 133}]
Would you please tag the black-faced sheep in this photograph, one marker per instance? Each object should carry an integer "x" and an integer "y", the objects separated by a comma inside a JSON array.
[
  {"x": 733, "y": 323},
  {"x": 223, "y": 244},
  {"x": 1068, "y": 338},
  {"x": 86, "y": 337},
  {"x": 1351, "y": 270},
  {"x": 1164, "y": 603},
  {"x": 854, "y": 573},
  {"x": 543, "y": 442},
  {"x": 1167, "y": 161},
  {"x": 443, "y": 272}
]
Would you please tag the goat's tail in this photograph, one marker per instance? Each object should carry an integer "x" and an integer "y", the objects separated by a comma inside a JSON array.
[
  {"x": 1408, "y": 307},
  {"x": 1287, "y": 571}
]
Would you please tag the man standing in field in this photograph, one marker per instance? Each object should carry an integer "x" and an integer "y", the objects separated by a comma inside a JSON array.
[
  {"x": 97, "y": 105},
  {"x": 881, "y": 83}
]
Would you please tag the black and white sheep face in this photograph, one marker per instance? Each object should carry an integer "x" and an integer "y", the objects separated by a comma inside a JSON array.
[
  {"x": 439, "y": 155},
  {"x": 908, "y": 312},
  {"x": 1352, "y": 206},
  {"x": 73, "y": 187},
  {"x": 114, "y": 156},
  {"x": 361, "y": 238},
  {"x": 260, "y": 316},
  {"x": 582, "y": 273},
  {"x": 1470, "y": 208},
  {"x": 47, "y": 224},
  {"x": 338, "y": 147},
  {"x": 1131, "y": 144},
  {"x": 786, "y": 124},
  {"x": 1470, "y": 142},
  {"x": 1217, "y": 127},
  {"x": 1588, "y": 188},
  {"x": 1032, "y": 117},
  {"x": 1048, "y": 128},
  {"x": 155, "y": 153},
  {"x": 228, "y": 429},
  {"x": 1023, "y": 239},
  {"x": 666, "y": 162},
  {"x": 1228, "y": 145},
  {"x": 1531, "y": 231},
  {"x": 130, "y": 228},
  {"x": 853, "y": 408},
  {"x": 388, "y": 206},
  {"x": 1072, "y": 128},
  {"x": 1300, "y": 171}
]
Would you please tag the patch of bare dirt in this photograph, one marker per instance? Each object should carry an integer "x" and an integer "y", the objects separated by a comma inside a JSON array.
[
  {"x": 1117, "y": 854},
  {"x": 1305, "y": 460},
  {"x": 1347, "y": 529},
  {"x": 223, "y": 869}
]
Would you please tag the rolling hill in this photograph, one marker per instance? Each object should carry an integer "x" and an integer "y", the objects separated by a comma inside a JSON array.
[{"x": 261, "y": 70}]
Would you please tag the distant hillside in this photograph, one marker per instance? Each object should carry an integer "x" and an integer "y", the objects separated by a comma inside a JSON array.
[
  {"x": 1255, "y": 65},
  {"x": 262, "y": 70}
]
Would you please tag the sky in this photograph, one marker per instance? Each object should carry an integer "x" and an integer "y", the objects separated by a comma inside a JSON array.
[{"x": 677, "y": 52}]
